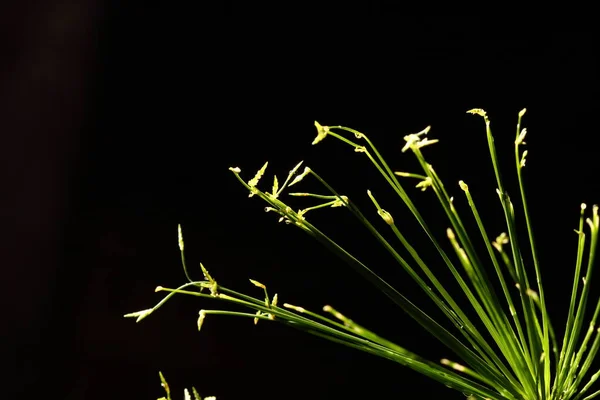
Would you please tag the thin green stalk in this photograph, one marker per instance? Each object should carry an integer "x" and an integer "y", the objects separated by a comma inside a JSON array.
[
  {"x": 520, "y": 163},
  {"x": 181, "y": 247}
]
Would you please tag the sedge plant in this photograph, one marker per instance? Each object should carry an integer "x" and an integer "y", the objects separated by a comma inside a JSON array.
[{"x": 504, "y": 338}]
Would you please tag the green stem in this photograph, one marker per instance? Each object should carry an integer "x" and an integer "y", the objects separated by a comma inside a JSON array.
[{"x": 536, "y": 264}]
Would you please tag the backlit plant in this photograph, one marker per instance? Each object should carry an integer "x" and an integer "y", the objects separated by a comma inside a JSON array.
[{"x": 507, "y": 346}]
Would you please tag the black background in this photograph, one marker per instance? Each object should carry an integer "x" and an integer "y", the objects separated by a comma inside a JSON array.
[{"x": 120, "y": 121}]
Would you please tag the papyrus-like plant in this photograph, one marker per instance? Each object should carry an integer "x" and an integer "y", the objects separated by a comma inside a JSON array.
[{"x": 505, "y": 341}]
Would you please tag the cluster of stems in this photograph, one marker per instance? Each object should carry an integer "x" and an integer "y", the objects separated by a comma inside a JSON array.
[{"x": 505, "y": 341}]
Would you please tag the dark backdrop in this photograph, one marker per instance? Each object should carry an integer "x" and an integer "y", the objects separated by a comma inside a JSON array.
[{"x": 120, "y": 121}]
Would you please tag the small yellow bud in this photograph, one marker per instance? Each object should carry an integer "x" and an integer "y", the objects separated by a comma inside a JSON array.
[
  {"x": 298, "y": 178},
  {"x": 453, "y": 364},
  {"x": 521, "y": 138},
  {"x": 386, "y": 216},
  {"x": 295, "y": 308},
  {"x": 180, "y": 237},
  {"x": 500, "y": 240},
  {"x": 424, "y": 184},
  {"x": 275, "y": 186},
  {"x": 415, "y": 141},
  {"x": 478, "y": 111},
  {"x": 256, "y": 283},
  {"x": 293, "y": 170},
  {"x": 450, "y": 234},
  {"x": 139, "y": 315},
  {"x": 340, "y": 202},
  {"x": 335, "y": 313},
  {"x": 359, "y": 135},
  {"x": 201, "y": 319},
  {"x": 321, "y": 132},
  {"x": 254, "y": 181},
  {"x": 533, "y": 294},
  {"x": 522, "y": 164}
]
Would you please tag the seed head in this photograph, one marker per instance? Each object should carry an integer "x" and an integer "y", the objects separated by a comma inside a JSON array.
[
  {"x": 321, "y": 132},
  {"x": 201, "y": 319},
  {"x": 298, "y": 178},
  {"x": 478, "y": 111},
  {"x": 256, "y": 283},
  {"x": 424, "y": 184},
  {"x": 522, "y": 164},
  {"x": 254, "y": 181},
  {"x": 521, "y": 138},
  {"x": 416, "y": 141},
  {"x": 180, "y": 237}
]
